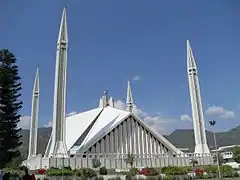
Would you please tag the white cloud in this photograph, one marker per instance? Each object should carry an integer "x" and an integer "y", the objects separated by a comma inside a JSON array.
[
  {"x": 221, "y": 112},
  {"x": 24, "y": 122},
  {"x": 158, "y": 122},
  {"x": 49, "y": 124},
  {"x": 136, "y": 78},
  {"x": 185, "y": 117},
  {"x": 228, "y": 115}
]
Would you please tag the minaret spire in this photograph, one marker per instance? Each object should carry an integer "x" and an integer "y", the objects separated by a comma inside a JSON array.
[
  {"x": 34, "y": 118},
  {"x": 190, "y": 58},
  {"x": 129, "y": 101},
  {"x": 63, "y": 34},
  {"x": 196, "y": 103},
  {"x": 58, "y": 146}
]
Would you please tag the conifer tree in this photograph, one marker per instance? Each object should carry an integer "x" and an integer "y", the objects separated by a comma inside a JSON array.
[{"x": 10, "y": 105}]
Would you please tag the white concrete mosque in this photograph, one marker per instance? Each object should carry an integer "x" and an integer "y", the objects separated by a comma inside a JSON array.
[{"x": 106, "y": 132}]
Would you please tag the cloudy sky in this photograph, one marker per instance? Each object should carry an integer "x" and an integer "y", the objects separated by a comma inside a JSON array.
[{"x": 111, "y": 42}]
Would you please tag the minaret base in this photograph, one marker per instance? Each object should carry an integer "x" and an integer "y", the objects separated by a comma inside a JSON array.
[
  {"x": 201, "y": 149},
  {"x": 60, "y": 150}
]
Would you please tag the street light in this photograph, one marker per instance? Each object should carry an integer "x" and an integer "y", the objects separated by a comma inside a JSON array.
[{"x": 213, "y": 123}]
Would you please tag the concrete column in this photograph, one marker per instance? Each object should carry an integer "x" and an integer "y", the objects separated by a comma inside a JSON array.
[
  {"x": 111, "y": 142},
  {"x": 107, "y": 143},
  {"x": 129, "y": 133},
  {"x": 146, "y": 142},
  {"x": 142, "y": 140},
  {"x": 125, "y": 149},
  {"x": 137, "y": 138},
  {"x": 133, "y": 136},
  {"x": 102, "y": 145},
  {"x": 121, "y": 138},
  {"x": 98, "y": 148},
  {"x": 116, "y": 139}
]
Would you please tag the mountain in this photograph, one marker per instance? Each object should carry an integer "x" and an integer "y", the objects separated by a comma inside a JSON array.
[
  {"x": 43, "y": 136},
  {"x": 181, "y": 138},
  {"x": 184, "y": 138}
]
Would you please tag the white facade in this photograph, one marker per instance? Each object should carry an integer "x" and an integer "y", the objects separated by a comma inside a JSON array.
[
  {"x": 196, "y": 103},
  {"x": 110, "y": 130}
]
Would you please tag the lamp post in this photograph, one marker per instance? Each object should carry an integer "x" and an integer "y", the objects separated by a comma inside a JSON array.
[{"x": 213, "y": 123}]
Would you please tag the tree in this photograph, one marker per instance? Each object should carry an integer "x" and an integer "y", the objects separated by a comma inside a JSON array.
[
  {"x": 10, "y": 106},
  {"x": 193, "y": 162},
  {"x": 236, "y": 154},
  {"x": 130, "y": 159},
  {"x": 96, "y": 162},
  {"x": 220, "y": 159}
]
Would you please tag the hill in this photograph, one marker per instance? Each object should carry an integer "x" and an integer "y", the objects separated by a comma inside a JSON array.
[
  {"x": 181, "y": 138},
  {"x": 184, "y": 138}
]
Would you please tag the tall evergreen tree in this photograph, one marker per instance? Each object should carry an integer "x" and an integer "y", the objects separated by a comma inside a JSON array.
[{"x": 10, "y": 106}]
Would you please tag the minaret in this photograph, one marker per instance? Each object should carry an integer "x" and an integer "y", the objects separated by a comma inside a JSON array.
[
  {"x": 59, "y": 107},
  {"x": 32, "y": 151},
  {"x": 129, "y": 101},
  {"x": 196, "y": 103},
  {"x": 111, "y": 102}
]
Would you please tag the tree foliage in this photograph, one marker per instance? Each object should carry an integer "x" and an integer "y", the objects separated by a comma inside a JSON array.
[
  {"x": 236, "y": 154},
  {"x": 130, "y": 159},
  {"x": 220, "y": 158},
  {"x": 96, "y": 162},
  {"x": 9, "y": 108},
  {"x": 193, "y": 162}
]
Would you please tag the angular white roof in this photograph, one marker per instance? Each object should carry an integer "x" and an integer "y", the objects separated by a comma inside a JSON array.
[
  {"x": 86, "y": 128},
  {"x": 108, "y": 119},
  {"x": 77, "y": 124}
]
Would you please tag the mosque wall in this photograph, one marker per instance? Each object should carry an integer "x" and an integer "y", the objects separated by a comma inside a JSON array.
[
  {"x": 129, "y": 137},
  {"x": 113, "y": 161}
]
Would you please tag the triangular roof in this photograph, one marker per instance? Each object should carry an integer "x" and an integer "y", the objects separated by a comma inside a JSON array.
[
  {"x": 96, "y": 123},
  {"x": 77, "y": 124},
  {"x": 108, "y": 119},
  {"x": 83, "y": 130}
]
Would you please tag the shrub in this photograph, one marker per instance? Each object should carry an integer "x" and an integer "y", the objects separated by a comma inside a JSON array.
[
  {"x": 129, "y": 177},
  {"x": 235, "y": 174},
  {"x": 148, "y": 172},
  {"x": 12, "y": 172},
  {"x": 103, "y": 171},
  {"x": 99, "y": 178},
  {"x": 133, "y": 171},
  {"x": 226, "y": 171},
  {"x": 68, "y": 167},
  {"x": 41, "y": 171},
  {"x": 59, "y": 172},
  {"x": 199, "y": 172},
  {"x": 210, "y": 169},
  {"x": 86, "y": 173},
  {"x": 172, "y": 170}
]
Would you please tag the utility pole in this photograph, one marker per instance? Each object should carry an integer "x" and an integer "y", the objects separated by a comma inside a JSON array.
[{"x": 213, "y": 123}]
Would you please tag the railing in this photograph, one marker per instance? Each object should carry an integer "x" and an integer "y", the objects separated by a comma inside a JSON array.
[{"x": 118, "y": 161}]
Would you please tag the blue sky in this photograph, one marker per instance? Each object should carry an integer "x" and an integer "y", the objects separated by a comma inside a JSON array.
[{"x": 111, "y": 42}]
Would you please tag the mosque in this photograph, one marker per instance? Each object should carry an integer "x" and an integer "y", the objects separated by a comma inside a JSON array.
[{"x": 106, "y": 132}]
